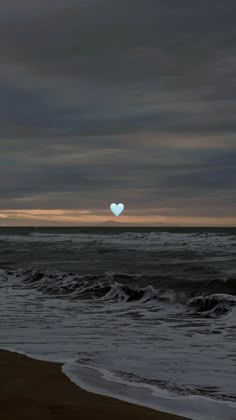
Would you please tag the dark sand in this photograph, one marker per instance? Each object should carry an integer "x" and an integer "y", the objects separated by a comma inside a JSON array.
[{"x": 35, "y": 390}]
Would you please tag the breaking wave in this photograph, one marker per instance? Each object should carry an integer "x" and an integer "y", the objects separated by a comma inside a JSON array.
[{"x": 205, "y": 297}]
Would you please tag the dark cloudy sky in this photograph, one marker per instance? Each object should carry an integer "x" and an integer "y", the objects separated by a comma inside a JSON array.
[{"x": 129, "y": 101}]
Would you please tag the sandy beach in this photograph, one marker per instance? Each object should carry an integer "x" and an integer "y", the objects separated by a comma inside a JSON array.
[{"x": 36, "y": 390}]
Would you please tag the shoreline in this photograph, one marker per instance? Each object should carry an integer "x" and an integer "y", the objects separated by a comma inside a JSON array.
[{"x": 34, "y": 389}]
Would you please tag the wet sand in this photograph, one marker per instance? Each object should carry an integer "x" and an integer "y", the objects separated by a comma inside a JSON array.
[{"x": 36, "y": 390}]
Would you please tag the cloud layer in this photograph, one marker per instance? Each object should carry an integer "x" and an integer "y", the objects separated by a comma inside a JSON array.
[{"x": 131, "y": 101}]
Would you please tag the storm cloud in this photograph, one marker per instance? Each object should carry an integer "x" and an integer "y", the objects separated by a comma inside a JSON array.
[{"x": 129, "y": 101}]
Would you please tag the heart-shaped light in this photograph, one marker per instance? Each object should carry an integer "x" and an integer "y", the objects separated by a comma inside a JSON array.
[{"x": 117, "y": 209}]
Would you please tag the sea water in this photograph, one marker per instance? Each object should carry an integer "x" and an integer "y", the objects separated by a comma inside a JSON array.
[{"x": 145, "y": 315}]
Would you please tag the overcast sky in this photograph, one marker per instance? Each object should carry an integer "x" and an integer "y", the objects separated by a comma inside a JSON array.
[{"x": 130, "y": 101}]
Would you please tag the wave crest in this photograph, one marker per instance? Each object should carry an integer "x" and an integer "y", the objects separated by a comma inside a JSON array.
[{"x": 106, "y": 287}]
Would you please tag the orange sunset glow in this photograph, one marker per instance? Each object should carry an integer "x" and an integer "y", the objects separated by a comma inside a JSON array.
[{"x": 85, "y": 217}]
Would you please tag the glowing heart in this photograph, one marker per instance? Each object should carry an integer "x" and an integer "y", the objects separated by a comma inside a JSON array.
[{"x": 117, "y": 209}]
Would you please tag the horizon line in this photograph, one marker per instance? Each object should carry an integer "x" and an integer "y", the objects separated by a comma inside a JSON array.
[{"x": 117, "y": 226}]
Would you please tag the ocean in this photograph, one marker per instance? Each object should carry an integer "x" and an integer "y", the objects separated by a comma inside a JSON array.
[{"x": 147, "y": 315}]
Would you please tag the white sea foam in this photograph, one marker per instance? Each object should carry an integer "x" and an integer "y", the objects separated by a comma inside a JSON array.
[{"x": 103, "y": 382}]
